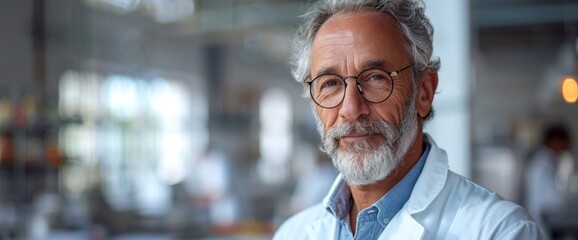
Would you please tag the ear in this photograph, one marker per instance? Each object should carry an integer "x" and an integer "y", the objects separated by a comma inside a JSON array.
[{"x": 427, "y": 87}]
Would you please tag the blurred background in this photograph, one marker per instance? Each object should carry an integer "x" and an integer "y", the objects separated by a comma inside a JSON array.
[{"x": 179, "y": 119}]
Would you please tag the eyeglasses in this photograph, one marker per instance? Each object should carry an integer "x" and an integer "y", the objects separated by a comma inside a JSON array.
[{"x": 374, "y": 84}]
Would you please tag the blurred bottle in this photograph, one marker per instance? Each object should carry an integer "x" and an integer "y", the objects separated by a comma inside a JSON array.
[{"x": 567, "y": 178}]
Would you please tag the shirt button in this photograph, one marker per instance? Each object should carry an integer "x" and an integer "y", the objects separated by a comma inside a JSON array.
[{"x": 386, "y": 221}]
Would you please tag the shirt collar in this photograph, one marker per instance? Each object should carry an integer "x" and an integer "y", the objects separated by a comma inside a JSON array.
[{"x": 338, "y": 201}]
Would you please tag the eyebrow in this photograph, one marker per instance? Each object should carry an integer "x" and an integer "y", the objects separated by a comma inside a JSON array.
[
  {"x": 325, "y": 70},
  {"x": 379, "y": 63}
]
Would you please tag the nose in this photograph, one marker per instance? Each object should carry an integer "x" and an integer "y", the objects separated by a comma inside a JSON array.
[{"x": 354, "y": 105}]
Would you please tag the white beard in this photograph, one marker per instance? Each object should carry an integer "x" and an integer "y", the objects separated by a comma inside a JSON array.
[{"x": 361, "y": 163}]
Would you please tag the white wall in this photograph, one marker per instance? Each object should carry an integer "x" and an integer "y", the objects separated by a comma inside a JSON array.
[{"x": 451, "y": 125}]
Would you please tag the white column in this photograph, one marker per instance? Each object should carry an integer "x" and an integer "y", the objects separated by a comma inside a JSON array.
[{"x": 451, "y": 125}]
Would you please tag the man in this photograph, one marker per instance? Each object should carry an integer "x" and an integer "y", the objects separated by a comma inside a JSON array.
[
  {"x": 367, "y": 65},
  {"x": 543, "y": 191}
]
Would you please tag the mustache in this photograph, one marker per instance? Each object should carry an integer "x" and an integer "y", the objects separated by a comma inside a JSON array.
[
  {"x": 389, "y": 134},
  {"x": 359, "y": 127}
]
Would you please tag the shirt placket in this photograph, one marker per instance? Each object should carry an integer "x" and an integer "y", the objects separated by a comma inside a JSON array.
[{"x": 366, "y": 225}]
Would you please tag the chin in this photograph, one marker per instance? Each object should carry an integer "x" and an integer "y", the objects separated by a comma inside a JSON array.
[{"x": 359, "y": 147}]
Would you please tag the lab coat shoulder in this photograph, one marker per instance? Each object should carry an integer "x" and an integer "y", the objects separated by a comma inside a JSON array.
[
  {"x": 297, "y": 226},
  {"x": 450, "y": 206},
  {"x": 480, "y": 213}
]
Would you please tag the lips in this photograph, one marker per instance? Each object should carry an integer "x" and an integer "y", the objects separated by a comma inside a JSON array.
[{"x": 352, "y": 137}]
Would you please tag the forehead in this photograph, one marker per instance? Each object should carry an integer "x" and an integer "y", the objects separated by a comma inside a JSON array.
[{"x": 349, "y": 40}]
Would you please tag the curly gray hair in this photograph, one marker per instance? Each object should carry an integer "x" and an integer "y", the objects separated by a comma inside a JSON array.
[{"x": 409, "y": 14}]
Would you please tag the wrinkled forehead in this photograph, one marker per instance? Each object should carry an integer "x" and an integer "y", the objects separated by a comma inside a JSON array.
[
  {"x": 357, "y": 24},
  {"x": 356, "y": 38}
]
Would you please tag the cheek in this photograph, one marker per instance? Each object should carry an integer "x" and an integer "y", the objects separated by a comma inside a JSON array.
[
  {"x": 392, "y": 110},
  {"x": 400, "y": 100},
  {"x": 327, "y": 116}
]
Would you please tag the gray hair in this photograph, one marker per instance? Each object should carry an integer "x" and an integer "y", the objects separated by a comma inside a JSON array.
[{"x": 409, "y": 14}]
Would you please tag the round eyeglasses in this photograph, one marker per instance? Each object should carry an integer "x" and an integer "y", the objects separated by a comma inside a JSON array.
[{"x": 374, "y": 84}]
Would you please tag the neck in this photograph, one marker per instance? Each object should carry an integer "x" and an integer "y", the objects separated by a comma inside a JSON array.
[{"x": 364, "y": 196}]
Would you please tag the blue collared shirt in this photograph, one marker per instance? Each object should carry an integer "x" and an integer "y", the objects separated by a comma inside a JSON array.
[{"x": 373, "y": 220}]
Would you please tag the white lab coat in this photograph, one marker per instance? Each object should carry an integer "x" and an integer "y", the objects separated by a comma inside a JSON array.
[{"x": 442, "y": 205}]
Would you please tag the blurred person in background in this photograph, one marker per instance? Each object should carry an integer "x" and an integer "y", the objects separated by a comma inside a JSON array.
[
  {"x": 367, "y": 66},
  {"x": 544, "y": 191}
]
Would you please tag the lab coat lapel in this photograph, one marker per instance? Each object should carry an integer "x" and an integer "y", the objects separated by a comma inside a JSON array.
[
  {"x": 325, "y": 228},
  {"x": 427, "y": 188},
  {"x": 403, "y": 226}
]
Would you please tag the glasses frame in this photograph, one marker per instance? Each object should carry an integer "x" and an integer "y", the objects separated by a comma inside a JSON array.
[{"x": 359, "y": 88}]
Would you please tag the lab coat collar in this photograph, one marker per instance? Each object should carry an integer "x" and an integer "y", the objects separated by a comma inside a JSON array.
[{"x": 431, "y": 181}]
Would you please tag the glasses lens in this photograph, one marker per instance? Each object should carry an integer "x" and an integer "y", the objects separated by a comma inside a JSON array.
[
  {"x": 327, "y": 90},
  {"x": 377, "y": 85}
]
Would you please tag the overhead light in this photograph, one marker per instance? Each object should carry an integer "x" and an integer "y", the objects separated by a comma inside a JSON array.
[
  {"x": 570, "y": 90},
  {"x": 122, "y": 6},
  {"x": 170, "y": 11}
]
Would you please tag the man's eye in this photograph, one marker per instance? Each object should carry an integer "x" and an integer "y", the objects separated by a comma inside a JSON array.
[
  {"x": 376, "y": 77},
  {"x": 329, "y": 83}
]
